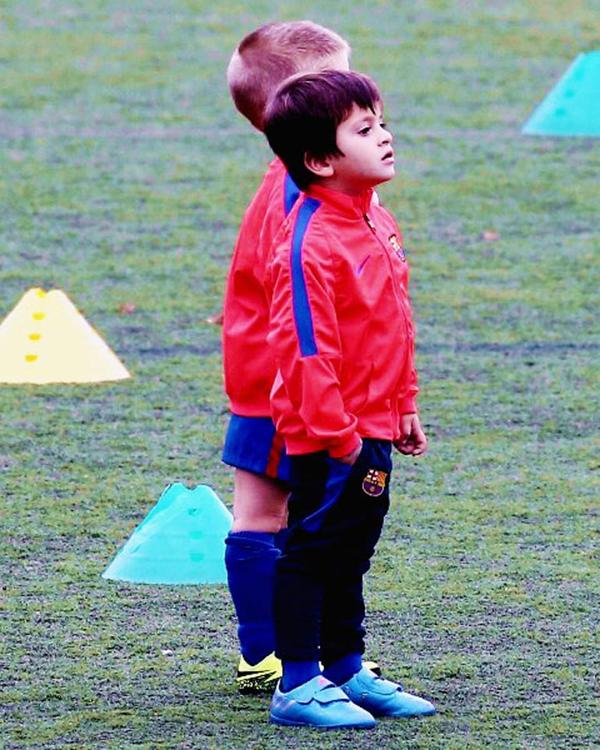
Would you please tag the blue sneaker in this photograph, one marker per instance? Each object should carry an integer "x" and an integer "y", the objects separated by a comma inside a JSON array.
[
  {"x": 384, "y": 698},
  {"x": 318, "y": 703}
]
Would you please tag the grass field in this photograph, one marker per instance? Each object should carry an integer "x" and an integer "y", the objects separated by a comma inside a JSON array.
[{"x": 123, "y": 175}]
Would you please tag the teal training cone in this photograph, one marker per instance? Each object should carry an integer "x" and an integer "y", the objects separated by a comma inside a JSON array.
[
  {"x": 573, "y": 105},
  {"x": 181, "y": 541}
]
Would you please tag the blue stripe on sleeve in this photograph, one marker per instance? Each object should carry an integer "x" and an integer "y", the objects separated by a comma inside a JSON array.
[
  {"x": 302, "y": 312},
  {"x": 291, "y": 193}
]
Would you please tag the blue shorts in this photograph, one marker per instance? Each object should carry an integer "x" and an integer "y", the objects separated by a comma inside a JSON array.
[{"x": 251, "y": 443}]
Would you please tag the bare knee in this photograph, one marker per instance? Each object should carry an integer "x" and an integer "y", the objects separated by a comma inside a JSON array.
[{"x": 259, "y": 503}]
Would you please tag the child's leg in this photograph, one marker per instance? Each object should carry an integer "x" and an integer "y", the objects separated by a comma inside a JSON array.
[
  {"x": 342, "y": 631},
  {"x": 359, "y": 518},
  {"x": 365, "y": 501},
  {"x": 259, "y": 503},
  {"x": 336, "y": 517},
  {"x": 302, "y": 571},
  {"x": 259, "y": 513}
]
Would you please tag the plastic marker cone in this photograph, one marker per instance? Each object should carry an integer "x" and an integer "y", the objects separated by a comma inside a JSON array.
[
  {"x": 573, "y": 105},
  {"x": 46, "y": 340},
  {"x": 181, "y": 540}
]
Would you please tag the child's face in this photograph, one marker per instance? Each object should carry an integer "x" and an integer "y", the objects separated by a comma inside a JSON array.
[{"x": 368, "y": 158}]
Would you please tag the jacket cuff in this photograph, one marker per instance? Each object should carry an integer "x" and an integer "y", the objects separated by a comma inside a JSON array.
[
  {"x": 408, "y": 405},
  {"x": 343, "y": 449}
]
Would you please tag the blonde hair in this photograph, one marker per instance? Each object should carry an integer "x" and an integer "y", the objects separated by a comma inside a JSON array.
[{"x": 270, "y": 54}]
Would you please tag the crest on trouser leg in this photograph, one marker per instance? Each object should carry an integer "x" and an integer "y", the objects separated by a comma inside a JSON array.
[{"x": 374, "y": 482}]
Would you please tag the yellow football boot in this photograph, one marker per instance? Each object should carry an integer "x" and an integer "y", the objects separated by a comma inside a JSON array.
[{"x": 258, "y": 678}]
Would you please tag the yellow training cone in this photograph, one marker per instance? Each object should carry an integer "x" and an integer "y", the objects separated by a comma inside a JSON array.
[{"x": 46, "y": 340}]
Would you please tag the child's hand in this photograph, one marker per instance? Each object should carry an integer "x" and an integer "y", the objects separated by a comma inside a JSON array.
[
  {"x": 413, "y": 441},
  {"x": 350, "y": 458}
]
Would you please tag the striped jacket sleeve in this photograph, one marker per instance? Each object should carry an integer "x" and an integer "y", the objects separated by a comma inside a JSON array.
[{"x": 303, "y": 333}]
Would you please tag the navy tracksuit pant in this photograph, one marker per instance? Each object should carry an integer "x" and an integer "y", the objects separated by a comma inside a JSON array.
[{"x": 336, "y": 516}]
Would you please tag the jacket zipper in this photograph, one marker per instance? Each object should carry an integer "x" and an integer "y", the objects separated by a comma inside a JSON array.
[
  {"x": 398, "y": 291},
  {"x": 399, "y": 295}
]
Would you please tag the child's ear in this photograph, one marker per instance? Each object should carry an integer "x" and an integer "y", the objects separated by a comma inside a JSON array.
[{"x": 320, "y": 166}]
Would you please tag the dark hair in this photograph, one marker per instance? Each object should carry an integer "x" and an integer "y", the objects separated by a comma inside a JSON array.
[{"x": 304, "y": 114}]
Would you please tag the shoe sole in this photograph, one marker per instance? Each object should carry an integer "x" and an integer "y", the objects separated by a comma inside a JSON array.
[
  {"x": 252, "y": 685},
  {"x": 290, "y": 723},
  {"x": 402, "y": 716}
]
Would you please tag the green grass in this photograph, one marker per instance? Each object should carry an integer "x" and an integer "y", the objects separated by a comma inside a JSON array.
[{"x": 123, "y": 178}]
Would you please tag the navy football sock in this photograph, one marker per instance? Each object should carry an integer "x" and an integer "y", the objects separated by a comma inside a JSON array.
[
  {"x": 250, "y": 558},
  {"x": 343, "y": 669},
  {"x": 296, "y": 673}
]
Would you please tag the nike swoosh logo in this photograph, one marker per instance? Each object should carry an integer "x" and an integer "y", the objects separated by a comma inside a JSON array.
[
  {"x": 361, "y": 266},
  {"x": 255, "y": 674}
]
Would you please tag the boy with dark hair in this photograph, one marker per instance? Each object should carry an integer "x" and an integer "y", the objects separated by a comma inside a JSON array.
[
  {"x": 262, "y": 60},
  {"x": 343, "y": 339}
]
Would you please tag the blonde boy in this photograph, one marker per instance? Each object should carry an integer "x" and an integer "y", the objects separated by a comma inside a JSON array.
[{"x": 262, "y": 60}]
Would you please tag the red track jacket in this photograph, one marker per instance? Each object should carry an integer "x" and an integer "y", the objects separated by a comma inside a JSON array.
[
  {"x": 341, "y": 326},
  {"x": 247, "y": 361}
]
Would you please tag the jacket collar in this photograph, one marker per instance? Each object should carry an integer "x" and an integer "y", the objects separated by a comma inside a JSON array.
[{"x": 350, "y": 205}]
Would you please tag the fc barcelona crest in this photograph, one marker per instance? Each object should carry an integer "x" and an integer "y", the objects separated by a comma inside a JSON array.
[
  {"x": 398, "y": 249},
  {"x": 374, "y": 482}
]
